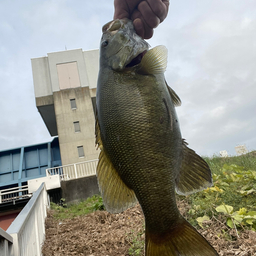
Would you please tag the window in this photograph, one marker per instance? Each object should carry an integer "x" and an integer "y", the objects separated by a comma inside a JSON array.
[
  {"x": 73, "y": 103},
  {"x": 80, "y": 151},
  {"x": 77, "y": 126}
]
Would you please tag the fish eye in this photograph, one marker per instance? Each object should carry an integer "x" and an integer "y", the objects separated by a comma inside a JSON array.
[{"x": 104, "y": 43}]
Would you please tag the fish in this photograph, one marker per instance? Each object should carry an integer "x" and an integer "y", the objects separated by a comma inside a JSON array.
[{"x": 143, "y": 157}]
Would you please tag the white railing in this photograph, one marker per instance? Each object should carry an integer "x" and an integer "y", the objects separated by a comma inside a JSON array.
[
  {"x": 74, "y": 171},
  {"x": 28, "y": 229},
  {"x": 15, "y": 193},
  {"x": 6, "y": 243}
]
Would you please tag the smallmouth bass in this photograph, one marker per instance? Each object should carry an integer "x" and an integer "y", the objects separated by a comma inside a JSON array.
[{"x": 143, "y": 157}]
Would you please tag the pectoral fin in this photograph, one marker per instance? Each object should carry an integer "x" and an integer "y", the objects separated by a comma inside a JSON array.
[
  {"x": 154, "y": 61},
  {"x": 116, "y": 196},
  {"x": 195, "y": 174}
]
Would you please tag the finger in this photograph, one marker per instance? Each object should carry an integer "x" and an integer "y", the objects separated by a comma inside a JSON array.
[
  {"x": 143, "y": 32},
  {"x": 124, "y": 8},
  {"x": 121, "y": 10},
  {"x": 159, "y": 7},
  {"x": 141, "y": 27},
  {"x": 148, "y": 15}
]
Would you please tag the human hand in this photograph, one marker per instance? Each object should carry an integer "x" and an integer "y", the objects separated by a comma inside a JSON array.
[{"x": 145, "y": 14}]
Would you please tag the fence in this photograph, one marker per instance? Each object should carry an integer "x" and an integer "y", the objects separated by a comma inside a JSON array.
[
  {"x": 15, "y": 193},
  {"x": 28, "y": 229},
  {"x": 6, "y": 244},
  {"x": 74, "y": 171}
]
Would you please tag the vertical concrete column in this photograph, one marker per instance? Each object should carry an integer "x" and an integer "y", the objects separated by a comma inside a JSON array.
[
  {"x": 49, "y": 155},
  {"x": 20, "y": 168}
]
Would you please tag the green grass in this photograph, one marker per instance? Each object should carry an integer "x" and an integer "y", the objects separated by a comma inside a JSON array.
[
  {"x": 232, "y": 195},
  {"x": 234, "y": 185},
  {"x": 248, "y": 161},
  {"x": 136, "y": 244},
  {"x": 63, "y": 211}
]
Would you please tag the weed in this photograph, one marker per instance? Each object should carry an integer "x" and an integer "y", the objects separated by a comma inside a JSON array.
[
  {"x": 64, "y": 211},
  {"x": 137, "y": 243},
  {"x": 232, "y": 194}
]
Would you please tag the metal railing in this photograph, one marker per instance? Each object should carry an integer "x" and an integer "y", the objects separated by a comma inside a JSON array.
[
  {"x": 15, "y": 193},
  {"x": 74, "y": 171}
]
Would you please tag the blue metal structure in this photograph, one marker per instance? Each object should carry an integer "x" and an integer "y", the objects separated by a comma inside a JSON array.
[{"x": 19, "y": 165}]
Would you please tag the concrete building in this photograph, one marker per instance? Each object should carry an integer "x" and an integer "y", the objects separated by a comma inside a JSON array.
[{"x": 65, "y": 91}]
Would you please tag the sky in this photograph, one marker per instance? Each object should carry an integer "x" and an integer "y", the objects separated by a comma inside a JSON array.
[{"x": 211, "y": 65}]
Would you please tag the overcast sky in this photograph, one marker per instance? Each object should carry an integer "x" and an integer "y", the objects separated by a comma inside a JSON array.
[{"x": 211, "y": 65}]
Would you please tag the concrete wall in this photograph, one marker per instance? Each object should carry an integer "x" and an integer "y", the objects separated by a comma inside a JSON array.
[
  {"x": 69, "y": 140},
  {"x": 66, "y": 57},
  {"x": 41, "y": 77},
  {"x": 91, "y": 59},
  {"x": 55, "y": 77},
  {"x": 51, "y": 182},
  {"x": 79, "y": 189}
]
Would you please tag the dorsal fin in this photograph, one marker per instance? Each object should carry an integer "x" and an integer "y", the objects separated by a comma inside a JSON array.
[
  {"x": 175, "y": 98},
  {"x": 154, "y": 61}
]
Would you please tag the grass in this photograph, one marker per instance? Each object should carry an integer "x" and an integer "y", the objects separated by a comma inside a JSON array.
[
  {"x": 234, "y": 185},
  {"x": 136, "y": 243},
  {"x": 248, "y": 161},
  {"x": 232, "y": 195},
  {"x": 62, "y": 211}
]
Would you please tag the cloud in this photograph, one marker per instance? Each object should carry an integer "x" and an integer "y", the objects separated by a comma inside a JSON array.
[
  {"x": 212, "y": 68},
  {"x": 211, "y": 64}
]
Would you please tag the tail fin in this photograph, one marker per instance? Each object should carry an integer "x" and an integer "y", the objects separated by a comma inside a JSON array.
[{"x": 182, "y": 240}]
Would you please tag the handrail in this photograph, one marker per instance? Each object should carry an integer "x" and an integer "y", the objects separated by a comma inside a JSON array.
[
  {"x": 67, "y": 165},
  {"x": 9, "y": 189},
  {"x": 6, "y": 243},
  {"x": 17, "y": 224},
  {"x": 5, "y": 235},
  {"x": 74, "y": 171},
  {"x": 14, "y": 193},
  {"x": 28, "y": 229}
]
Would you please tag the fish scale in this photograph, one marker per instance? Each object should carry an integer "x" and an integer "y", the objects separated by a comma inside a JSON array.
[
  {"x": 143, "y": 156},
  {"x": 146, "y": 158}
]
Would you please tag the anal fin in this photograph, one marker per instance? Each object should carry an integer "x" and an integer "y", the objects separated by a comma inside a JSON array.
[
  {"x": 194, "y": 175},
  {"x": 117, "y": 197}
]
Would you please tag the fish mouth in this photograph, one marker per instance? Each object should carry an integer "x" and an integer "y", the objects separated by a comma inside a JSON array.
[{"x": 135, "y": 61}]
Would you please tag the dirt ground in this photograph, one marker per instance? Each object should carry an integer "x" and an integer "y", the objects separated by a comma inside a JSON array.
[{"x": 104, "y": 234}]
